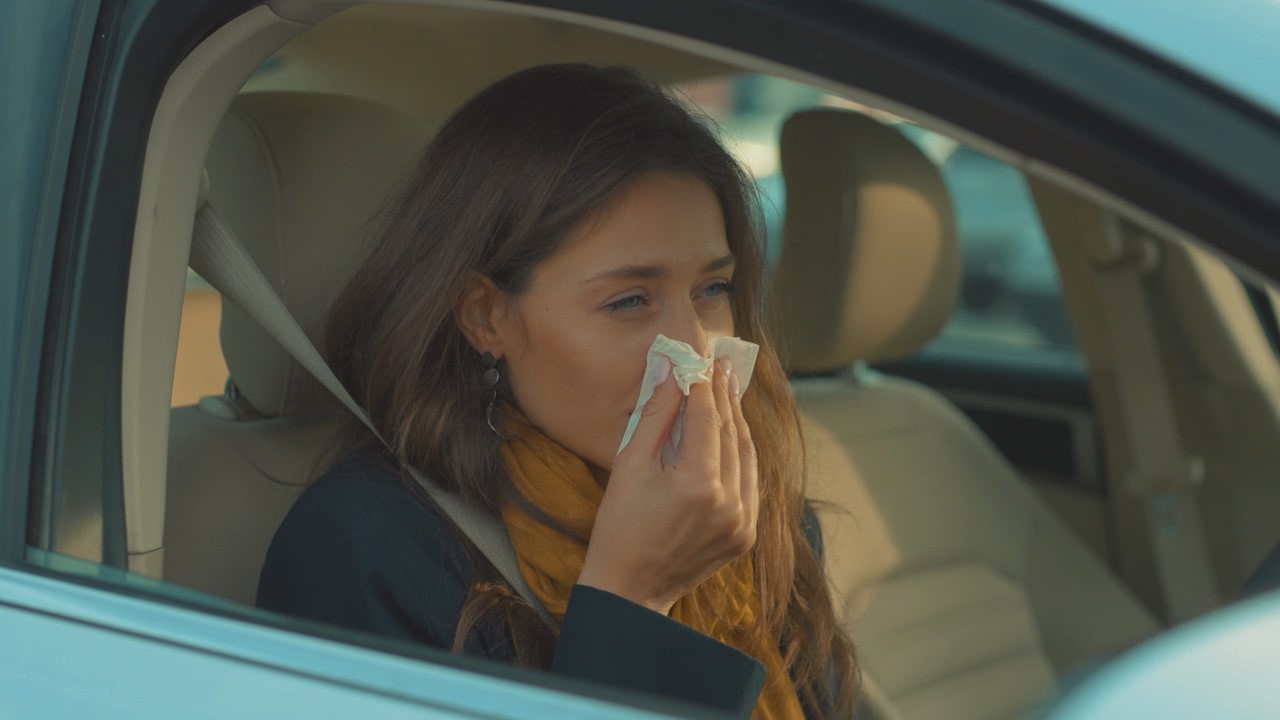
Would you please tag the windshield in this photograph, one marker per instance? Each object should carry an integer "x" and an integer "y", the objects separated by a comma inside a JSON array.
[{"x": 1235, "y": 45}]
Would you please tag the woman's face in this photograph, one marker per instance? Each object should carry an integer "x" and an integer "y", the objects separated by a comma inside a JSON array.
[{"x": 574, "y": 344}]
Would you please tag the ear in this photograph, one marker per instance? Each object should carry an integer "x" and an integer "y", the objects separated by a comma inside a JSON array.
[{"x": 480, "y": 314}]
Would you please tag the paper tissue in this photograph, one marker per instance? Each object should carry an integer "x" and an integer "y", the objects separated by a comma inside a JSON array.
[{"x": 688, "y": 368}]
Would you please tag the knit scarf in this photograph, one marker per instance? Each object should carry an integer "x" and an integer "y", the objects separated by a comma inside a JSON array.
[{"x": 560, "y": 486}]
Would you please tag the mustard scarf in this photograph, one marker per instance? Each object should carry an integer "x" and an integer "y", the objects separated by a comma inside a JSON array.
[{"x": 558, "y": 483}]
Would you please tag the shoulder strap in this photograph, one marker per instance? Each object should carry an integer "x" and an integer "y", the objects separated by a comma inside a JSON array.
[
  {"x": 218, "y": 256},
  {"x": 1161, "y": 543},
  {"x": 1162, "y": 474}
]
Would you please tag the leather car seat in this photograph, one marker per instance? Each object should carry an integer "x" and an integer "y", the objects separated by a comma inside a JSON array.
[
  {"x": 299, "y": 177},
  {"x": 965, "y": 595}
]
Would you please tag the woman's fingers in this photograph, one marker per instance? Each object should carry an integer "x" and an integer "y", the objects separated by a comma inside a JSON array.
[
  {"x": 729, "y": 462},
  {"x": 700, "y": 446},
  {"x": 661, "y": 529},
  {"x": 656, "y": 418}
]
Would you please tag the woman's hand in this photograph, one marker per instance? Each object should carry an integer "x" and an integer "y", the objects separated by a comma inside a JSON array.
[{"x": 663, "y": 529}]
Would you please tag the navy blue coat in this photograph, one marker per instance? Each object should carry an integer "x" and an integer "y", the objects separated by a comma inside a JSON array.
[{"x": 359, "y": 550}]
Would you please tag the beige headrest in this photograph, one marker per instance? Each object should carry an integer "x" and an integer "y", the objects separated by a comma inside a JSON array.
[
  {"x": 299, "y": 176},
  {"x": 870, "y": 265}
]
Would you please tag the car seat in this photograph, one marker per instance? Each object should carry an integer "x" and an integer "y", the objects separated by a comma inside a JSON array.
[
  {"x": 965, "y": 595},
  {"x": 299, "y": 177}
]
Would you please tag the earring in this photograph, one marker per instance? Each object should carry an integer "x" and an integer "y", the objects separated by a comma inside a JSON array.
[
  {"x": 490, "y": 362},
  {"x": 491, "y": 378}
]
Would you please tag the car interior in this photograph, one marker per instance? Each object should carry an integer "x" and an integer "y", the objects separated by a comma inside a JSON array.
[{"x": 976, "y": 575}]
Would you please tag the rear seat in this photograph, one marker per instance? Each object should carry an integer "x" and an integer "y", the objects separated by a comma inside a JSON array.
[{"x": 965, "y": 595}]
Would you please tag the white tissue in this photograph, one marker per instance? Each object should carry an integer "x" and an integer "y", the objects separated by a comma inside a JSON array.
[{"x": 688, "y": 368}]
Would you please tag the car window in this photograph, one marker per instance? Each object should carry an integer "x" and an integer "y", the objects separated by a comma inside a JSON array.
[
  {"x": 76, "y": 427},
  {"x": 1231, "y": 44},
  {"x": 748, "y": 112},
  {"x": 1263, "y": 299},
  {"x": 1011, "y": 297}
]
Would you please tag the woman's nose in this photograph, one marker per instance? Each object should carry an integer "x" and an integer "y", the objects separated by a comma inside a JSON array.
[{"x": 686, "y": 326}]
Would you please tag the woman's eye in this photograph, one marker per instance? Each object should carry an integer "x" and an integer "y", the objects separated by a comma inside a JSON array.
[
  {"x": 717, "y": 289},
  {"x": 627, "y": 303}
]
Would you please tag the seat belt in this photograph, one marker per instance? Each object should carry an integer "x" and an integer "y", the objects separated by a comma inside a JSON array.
[
  {"x": 1161, "y": 474},
  {"x": 219, "y": 258}
]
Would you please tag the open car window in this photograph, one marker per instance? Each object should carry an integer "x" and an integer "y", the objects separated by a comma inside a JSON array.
[{"x": 107, "y": 335}]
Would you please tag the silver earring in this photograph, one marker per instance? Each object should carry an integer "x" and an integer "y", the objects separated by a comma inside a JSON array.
[{"x": 491, "y": 378}]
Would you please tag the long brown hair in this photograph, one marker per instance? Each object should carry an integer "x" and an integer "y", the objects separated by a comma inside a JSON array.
[{"x": 505, "y": 181}]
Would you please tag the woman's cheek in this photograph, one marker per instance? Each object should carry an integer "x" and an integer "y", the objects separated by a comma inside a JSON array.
[{"x": 620, "y": 396}]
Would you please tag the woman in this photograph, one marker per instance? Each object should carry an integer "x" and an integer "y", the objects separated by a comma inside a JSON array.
[{"x": 496, "y": 334}]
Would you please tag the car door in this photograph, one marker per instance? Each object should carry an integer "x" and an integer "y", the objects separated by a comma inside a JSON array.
[{"x": 80, "y": 82}]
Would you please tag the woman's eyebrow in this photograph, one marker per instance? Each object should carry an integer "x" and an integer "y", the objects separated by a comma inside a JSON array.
[
  {"x": 719, "y": 263},
  {"x": 647, "y": 272}
]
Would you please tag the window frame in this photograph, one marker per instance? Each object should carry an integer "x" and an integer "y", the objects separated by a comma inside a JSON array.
[{"x": 27, "y": 261}]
